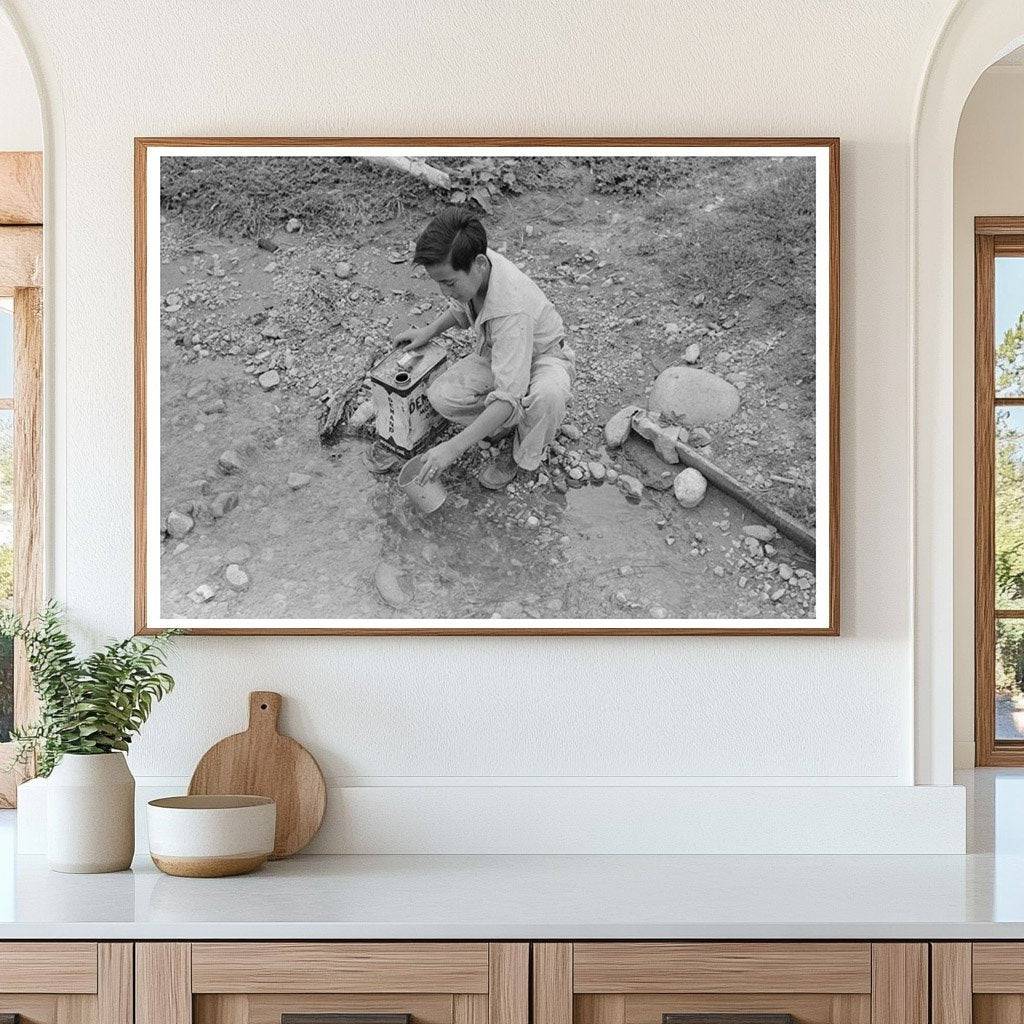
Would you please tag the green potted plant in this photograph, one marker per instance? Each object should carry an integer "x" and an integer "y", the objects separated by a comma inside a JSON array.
[{"x": 89, "y": 710}]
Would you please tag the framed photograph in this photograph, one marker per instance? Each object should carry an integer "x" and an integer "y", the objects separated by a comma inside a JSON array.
[{"x": 487, "y": 386}]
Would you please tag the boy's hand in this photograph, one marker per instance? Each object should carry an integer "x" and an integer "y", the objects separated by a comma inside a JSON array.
[
  {"x": 436, "y": 460},
  {"x": 414, "y": 338}
]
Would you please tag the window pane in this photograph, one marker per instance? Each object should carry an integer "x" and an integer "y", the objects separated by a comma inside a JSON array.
[
  {"x": 6, "y": 567},
  {"x": 6, "y": 348},
  {"x": 1009, "y": 679},
  {"x": 1009, "y": 324},
  {"x": 1009, "y": 513}
]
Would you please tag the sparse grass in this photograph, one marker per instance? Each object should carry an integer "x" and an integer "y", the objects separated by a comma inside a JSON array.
[
  {"x": 251, "y": 196},
  {"x": 765, "y": 235}
]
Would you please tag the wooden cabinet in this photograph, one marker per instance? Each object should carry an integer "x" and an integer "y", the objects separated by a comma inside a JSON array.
[
  {"x": 66, "y": 982},
  {"x": 261, "y": 982},
  {"x": 650, "y": 982},
  {"x": 980, "y": 982},
  {"x": 494, "y": 983}
]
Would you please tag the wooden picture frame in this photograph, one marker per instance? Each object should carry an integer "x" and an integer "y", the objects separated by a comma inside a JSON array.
[{"x": 825, "y": 618}]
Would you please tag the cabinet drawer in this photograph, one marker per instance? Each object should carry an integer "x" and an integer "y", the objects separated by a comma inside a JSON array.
[
  {"x": 634, "y": 967},
  {"x": 747, "y": 982},
  {"x": 66, "y": 982},
  {"x": 48, "y": 967},
  {"x": 340, "y": 967},
  {"x": 262, "y": 982}
]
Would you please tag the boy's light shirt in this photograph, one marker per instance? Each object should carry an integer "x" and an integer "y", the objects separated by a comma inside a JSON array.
[{"x": 516, "y": 323}]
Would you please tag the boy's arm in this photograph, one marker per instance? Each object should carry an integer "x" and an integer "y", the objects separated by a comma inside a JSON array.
[
  {"x": 511, "y": 362},
  {"x": 441, "y": 456},
  {"x": 417, "y": 339}
]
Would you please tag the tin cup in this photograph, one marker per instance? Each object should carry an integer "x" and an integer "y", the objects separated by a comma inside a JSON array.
[{"x": 426, "y": 497}]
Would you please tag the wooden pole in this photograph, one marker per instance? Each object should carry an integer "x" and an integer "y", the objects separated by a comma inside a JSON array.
[{"x": 782, "y": 521}]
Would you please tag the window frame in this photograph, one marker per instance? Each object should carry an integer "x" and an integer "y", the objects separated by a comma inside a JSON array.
[{"x": 993, "y": 237}]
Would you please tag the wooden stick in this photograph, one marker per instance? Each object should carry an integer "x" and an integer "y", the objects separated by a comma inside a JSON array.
[
  {"x": 416, "y": 166},
  {"x": 782, "y": 521}
]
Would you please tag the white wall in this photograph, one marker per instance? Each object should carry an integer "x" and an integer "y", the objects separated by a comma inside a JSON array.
[
  {"x": 444, "y": 713},
  {"x": 988, "y": 181},
  {"x": 21, "y": 125}
]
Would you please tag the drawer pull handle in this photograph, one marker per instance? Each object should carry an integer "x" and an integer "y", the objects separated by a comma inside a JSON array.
[
  {"x": 342, "y": 1018},
  {"x": 728, "y": 1018}
]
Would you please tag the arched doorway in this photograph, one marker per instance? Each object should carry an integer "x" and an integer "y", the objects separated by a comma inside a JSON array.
[{"x": 975, "y": 35}]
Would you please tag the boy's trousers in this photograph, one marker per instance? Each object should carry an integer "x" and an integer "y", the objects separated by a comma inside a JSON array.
[{"x": 459, "y": 395}]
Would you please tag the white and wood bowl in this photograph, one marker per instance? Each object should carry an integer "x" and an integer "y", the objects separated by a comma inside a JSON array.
[{"x": 211, "y": 836}]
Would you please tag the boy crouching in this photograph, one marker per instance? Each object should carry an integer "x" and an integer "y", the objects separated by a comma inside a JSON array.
[{"x": 518, "y": 379}]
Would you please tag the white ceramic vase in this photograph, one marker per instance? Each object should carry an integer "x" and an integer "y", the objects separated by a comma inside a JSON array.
[{"x": 90, "y": 814}]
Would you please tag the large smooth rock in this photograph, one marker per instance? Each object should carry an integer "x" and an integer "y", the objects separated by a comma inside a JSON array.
[{"x": 693, "y": 397}]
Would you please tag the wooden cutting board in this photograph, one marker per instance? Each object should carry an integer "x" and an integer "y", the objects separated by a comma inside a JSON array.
[{"x": 262, "y": 762}]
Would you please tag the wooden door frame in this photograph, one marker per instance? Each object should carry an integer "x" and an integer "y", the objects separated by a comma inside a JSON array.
[{"x": 21, "y": 270}]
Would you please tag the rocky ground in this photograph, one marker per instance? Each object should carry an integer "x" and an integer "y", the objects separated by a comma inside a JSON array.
[{"x": 263, "y": 321}]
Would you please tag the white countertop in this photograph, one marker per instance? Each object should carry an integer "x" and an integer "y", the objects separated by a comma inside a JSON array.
[
  {"x": 532, "y": 897},
  {"x": 977, "y": 896}
]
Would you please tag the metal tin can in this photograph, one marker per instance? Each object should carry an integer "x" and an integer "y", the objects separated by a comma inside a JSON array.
[{"x": 405, "y": 420}]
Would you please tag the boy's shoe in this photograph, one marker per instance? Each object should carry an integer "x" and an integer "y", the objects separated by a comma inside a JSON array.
[{"x": 499, "y": 472}]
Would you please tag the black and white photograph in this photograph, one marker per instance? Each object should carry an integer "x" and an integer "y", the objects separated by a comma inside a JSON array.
[{"x": 400, "y": 386}]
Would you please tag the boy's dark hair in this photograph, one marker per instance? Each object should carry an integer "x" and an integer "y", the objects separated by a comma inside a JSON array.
[{"x": 454, "y": 236}]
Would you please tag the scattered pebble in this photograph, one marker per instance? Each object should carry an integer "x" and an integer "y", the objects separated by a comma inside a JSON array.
[
  {"x": 388, "y": 581},
  {"x": 221, "y": 504},
  {"x": 616, "y": 430},
  {"x": 229, "y": 462},
  {"x": 298, "y": 480},
  {"x": 269, "y": 380},
  {"x": 179, "y": 524},
  {"x": 237, "y": 577},
  {"x": 203, "y": 593},
  {"x": 632, "y": 487},
  {"x": 689, "y": 487}
]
